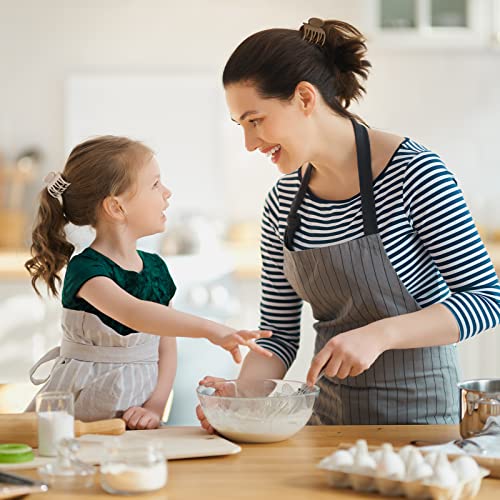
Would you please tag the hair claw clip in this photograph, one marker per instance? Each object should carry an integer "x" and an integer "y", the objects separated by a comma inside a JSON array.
[{"x": 313, "y": 31}]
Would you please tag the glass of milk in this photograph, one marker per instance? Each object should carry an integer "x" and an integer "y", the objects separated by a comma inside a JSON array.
[{"x": 56, "y": 421}]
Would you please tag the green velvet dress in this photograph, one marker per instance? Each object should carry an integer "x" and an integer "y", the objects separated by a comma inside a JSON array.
[{"x": 153, "y": 283}]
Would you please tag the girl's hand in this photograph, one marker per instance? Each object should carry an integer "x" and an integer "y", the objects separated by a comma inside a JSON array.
[
  {"x": 232, "y": 341},
  {"x": 222, "y": 388},
  {"x": 137, "y": 417},
  {"x": 348, "y": 354}
]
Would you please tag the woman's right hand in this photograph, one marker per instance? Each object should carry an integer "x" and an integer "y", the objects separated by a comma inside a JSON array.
[{"x": 222, "y": 388}]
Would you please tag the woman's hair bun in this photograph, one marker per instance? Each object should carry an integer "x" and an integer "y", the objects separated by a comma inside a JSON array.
[{"x": 345, "y": 49}]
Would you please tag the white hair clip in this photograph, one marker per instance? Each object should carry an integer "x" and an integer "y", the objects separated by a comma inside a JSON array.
[{"x": 55, "y": 184}]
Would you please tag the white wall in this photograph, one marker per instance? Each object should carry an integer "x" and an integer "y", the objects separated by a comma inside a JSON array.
[
  {"x": 42, "y": 43},
  {"x": 447, "y": 99}
]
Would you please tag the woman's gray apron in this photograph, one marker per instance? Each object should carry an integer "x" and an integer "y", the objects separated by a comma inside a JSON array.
[
  {"x": 350, "y": 285},
  {"x": 107, "y": 372}
]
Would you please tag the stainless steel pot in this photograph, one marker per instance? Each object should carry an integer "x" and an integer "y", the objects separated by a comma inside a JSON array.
[{"x": 479, "y": 399}]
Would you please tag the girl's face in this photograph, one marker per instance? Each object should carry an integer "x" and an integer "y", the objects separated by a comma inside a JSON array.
[
  {"x": 277, "y": 128},
  {"x": 145, "y": 207}
]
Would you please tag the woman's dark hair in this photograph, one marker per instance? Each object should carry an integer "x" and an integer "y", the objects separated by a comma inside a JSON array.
[{"x": 276, "y": 60}]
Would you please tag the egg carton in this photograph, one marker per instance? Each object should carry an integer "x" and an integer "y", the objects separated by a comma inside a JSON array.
[
  {"x": 369, "y": 482},
  {"x": 338, "y": 478}
]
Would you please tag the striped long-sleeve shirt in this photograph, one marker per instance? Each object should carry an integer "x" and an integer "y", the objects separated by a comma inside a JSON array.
[{"x": 427, "y": 231}]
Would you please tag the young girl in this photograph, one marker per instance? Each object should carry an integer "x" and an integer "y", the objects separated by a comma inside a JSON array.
[{"x": 118, "y": 352}]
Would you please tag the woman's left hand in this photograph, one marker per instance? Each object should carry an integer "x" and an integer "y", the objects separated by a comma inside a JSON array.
[
  {"x": 137, "y": 417},
  {"x": 348, "y": 354}
]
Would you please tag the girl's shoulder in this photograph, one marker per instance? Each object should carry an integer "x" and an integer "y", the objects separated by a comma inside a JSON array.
[
  {"x": 153, "y": 260},
  {"x": 88, "y": 259},
  {"x": 82, "y": 267}
]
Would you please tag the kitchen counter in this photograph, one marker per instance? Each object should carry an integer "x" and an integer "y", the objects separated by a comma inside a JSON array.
[
  {"x": 246, "y": 259},
  {"x": 279, "y": 471}
]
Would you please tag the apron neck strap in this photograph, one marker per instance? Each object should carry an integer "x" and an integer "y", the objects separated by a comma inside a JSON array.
[
  {"x": 365, "y": 178},
  {"x": 365, "y": 187},
  {"x": 293, "y": 219}
]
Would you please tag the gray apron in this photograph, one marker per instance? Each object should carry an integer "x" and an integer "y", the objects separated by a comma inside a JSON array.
[
  {"x": 107, "y": 372},
  {"x": 350, "y": 285}
]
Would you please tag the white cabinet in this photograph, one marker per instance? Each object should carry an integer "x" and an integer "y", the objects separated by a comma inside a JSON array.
[
  {"x": 495, "y": 20},
  {"x": 433, "y": 23}
]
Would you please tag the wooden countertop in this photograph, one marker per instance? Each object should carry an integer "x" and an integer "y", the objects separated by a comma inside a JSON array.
[{"x": 279, "y": 471}]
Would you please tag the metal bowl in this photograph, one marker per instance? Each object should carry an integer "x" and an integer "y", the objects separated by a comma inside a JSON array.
[
  {"x": 479, "y": 406},
  {"x": 257, "y": 411}
]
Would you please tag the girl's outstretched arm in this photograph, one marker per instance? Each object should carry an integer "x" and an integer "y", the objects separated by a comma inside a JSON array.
[{"x": 149, "y": 317}]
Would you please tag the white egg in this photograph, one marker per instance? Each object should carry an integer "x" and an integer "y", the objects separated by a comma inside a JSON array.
[
  {"x": 414, "y": 457},
  {"x": 390, "y": 464},
  {"x": 444, "y": 474},
  {"x": 363, "y": 462},
  {"x": 418, "y": 471},
  {"x": 431, "y": 458},
  {"x": 361, "y": 446},
  {"x": 405, "y": 451},
  {"x": 337, "y": 460},
  {"x": 466, "y": 468},
  {"x": 376, "y": 455}
]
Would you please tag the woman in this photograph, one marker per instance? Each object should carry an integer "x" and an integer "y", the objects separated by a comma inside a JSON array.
[{"x": 371, "y": 230}]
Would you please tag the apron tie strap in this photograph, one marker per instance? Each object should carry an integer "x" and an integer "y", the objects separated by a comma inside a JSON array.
[
  {"x": 141, "y": 353},
  {"x": 49, "y": 356}
]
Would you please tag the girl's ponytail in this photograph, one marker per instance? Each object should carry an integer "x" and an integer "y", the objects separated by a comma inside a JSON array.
[{"x": 50, "y": 249}]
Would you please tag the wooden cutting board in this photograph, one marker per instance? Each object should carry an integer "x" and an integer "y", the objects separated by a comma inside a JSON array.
[{"x": 177, "y": 443}]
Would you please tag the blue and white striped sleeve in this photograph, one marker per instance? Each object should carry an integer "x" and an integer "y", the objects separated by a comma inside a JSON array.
[
  {"x": 280, "y": 306},
  {"x": 437, "y": 210}
]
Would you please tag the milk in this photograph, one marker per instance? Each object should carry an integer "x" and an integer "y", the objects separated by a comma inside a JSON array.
[{"x": 52, "y": 427}]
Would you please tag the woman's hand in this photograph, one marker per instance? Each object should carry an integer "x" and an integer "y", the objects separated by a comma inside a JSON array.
[
  {"x": 137, "y": 417},
  {"x": 231, "y": 341},
  {"x": 348, "y": 354},
  {"x": 222, "y": 388}
]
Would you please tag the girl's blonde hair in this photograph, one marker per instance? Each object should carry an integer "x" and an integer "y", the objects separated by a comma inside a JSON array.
[{"x": 100, "y": 167}]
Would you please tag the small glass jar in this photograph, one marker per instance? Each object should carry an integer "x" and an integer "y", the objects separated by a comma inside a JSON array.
[
  {"x": 68, "y": 472},
  {"x": 133, "y": 467}
]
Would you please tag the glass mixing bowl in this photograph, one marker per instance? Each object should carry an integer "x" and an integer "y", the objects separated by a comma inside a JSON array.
[{"x": 257, "y": 411}]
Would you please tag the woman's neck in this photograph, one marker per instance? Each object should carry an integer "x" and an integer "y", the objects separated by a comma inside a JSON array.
[
  {"x": 117, "y": 245},
  {"x": 335, "y": 174}
]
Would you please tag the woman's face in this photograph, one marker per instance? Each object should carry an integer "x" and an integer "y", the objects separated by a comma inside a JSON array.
[{"x": 278, "y": 129}]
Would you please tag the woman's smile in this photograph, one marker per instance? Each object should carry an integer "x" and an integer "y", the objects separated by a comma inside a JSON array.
[{"x": 273, "y": 152}]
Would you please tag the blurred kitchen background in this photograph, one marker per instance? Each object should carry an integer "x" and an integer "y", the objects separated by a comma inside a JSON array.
[{"x": 151, "y": 70}]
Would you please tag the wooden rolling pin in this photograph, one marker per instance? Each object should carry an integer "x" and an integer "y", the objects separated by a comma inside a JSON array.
[{"x": 23, "y": 428}]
